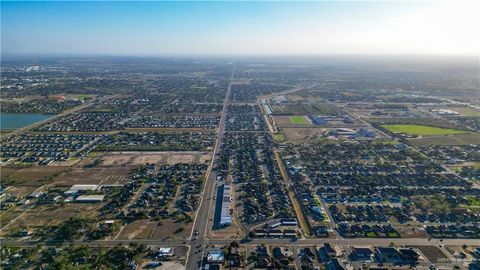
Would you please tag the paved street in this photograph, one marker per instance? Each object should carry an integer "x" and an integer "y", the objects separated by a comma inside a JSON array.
[
  {"x": 267, "y": 241},
  {"x": 200, "y": 227}
]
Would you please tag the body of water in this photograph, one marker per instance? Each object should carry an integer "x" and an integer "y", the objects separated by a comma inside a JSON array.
[{"x": 18, "y": 120}]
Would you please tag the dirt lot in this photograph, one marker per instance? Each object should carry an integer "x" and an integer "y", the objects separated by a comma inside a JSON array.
[
  {"x": 169, "y": 229},
  {"x": 21, "y": 191},
  {"x": 150, "y": 158},
  {"x": 410, "y": 232},
  {"x": 97, "y": 175},
  {"x": 433, "y": 254},
  {"x": 31, "y": 176},
  {"x": 116, "y": 160},
  {"x": 205, "y": 158},
  {"x": 180, "y": 158},
  {"x": 52, "y": 215},
  {"x": 296, "y": 134},
  {"x": 141, "y": 158},
  {"x": 163, "y": 229},
  {"x": 140, "y": 229},
  {"x": 8, "y": 215}
]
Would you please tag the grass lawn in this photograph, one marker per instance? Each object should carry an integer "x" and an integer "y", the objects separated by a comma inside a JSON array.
[
  {"x": 371, "y": 234},
  {"x": 392, "y": 234},
  {"x": 421, "y": 130},
  {"x": 83, "y": 96},
  {"x": 474, "y": 203},
  {"x": 279, "y": 137},
  {"x": 298, "y": 119}
]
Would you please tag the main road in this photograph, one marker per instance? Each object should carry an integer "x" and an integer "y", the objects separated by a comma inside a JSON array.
[
  {"x": 256, "y": 241},
  {"x": 200, "y": 228}
]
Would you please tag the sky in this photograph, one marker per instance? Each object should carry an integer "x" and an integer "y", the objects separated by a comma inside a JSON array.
[{"x": 246, "y": 28}]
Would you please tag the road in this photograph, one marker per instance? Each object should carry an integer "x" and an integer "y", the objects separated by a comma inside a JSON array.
[
  {"x": 258, "y": 241},
  {"x": 194, "y": 259}
]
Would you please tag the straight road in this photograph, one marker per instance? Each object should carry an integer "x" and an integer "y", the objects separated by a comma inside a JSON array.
[
  {"x": 200, "y": 228},
  {"x": 259, "y": 241}
]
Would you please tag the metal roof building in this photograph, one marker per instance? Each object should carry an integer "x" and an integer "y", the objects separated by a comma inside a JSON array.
[
  {"x": 225, "y": 218},
  {"x": 89, "y": 198}
]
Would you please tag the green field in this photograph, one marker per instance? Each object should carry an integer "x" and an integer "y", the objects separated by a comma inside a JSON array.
[
  {"x": 82, "y": 96},
  {"x": 279, "y": 137},
  {"x": 421, "y": 130},
  {"x": 298, "y": 120}
]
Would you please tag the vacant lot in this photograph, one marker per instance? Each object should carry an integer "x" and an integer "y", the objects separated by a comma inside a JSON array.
[
  {"x": 163, "y": 229},
  {"x": 459, "y": 139},
  {"x": 167, "y": 228},
  {"x": 116, "y": 160},
  {"x": 205, "y": 158},
  {"x": 31, "y": 176},
  {"x": 421, "y": 130},
  {"x": 134, "y": 159},
  {"x": 152, "y": 159},
  {"x": 296, "y": 134},
  {"x": 433, "y": 254},
  {"x": 39, "y": 216},
  {"x": 466, "y": 111},
  {"x": 180, "y": 158},
  {"x": 140, "y": 229},
  {"x": 93, "y": 176}
]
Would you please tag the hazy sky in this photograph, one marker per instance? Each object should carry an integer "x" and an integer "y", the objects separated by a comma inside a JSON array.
[{"x": 179, "y": 28}]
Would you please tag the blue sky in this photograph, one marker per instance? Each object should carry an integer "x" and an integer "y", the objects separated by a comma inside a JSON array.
[{"x": 190, "y": 28}]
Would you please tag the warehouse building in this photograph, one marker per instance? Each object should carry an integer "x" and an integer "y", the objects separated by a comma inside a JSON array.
[
  {"x": 225, "y": 217},
  {"x": 89, "y": 198}
]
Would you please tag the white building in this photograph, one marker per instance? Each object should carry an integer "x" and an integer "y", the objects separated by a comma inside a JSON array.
[
  {"x": 215, "y": 257},
  {"x": 90, "y": 198},
  {"x": 76, "y": 188},
  {"x": 225, "y": 217},
  {"x": 165, "y": 251}
]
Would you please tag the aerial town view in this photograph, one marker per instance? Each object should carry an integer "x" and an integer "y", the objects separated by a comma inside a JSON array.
[{"x": 128, "y": 161}]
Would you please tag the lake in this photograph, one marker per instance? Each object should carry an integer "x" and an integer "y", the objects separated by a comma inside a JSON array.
[{"x": 18, "y": 120}]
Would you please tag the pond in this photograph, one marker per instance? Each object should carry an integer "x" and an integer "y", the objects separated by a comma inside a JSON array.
[{"x": 19, "y": 120}]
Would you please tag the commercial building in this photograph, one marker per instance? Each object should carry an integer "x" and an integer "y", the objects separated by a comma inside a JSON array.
[
  {"x": 80, "y": 188},
  {"x": 215, "y": 257},
  {"x": 89, "y": 198},
  {"x": 225, "y": 217},
  {"x": 165, "y": 251}
]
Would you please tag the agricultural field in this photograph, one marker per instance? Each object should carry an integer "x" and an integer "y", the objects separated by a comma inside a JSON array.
[{"x": 420, "y": 130}]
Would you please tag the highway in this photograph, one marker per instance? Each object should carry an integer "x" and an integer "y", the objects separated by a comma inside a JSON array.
[{"x": 194, "y": 259}]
